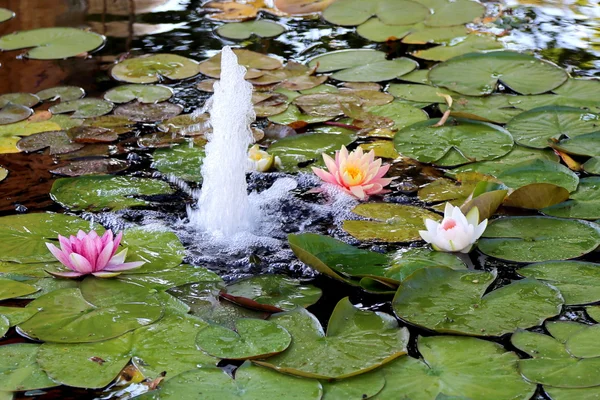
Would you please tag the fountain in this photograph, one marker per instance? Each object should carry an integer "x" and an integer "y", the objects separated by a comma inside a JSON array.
[{"x": 223, "y": 205}]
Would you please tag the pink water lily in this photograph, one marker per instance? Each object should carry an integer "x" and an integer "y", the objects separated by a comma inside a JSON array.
[
  {"x": 456, "y": 232},
  {"x": 88, "y": 253},
  {"x": 356, "y": 173}
]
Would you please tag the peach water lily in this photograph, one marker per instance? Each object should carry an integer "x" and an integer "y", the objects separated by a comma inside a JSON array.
[
  {"x": 89, "y": 253},
  {"x": 356, "y": 173},
  {"x": 456, "y": 232}
]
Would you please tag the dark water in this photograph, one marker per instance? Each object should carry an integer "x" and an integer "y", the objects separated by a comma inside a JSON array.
[{"x": 558, "y": 33}]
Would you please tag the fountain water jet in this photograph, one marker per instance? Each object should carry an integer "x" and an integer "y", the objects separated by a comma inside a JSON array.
[{"x": 223, "y": 205}]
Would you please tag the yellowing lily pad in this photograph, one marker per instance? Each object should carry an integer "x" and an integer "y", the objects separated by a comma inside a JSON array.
[{"x": 584, "y": 203}]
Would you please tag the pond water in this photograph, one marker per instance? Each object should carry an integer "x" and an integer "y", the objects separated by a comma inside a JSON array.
[{"x": 565, "y": 33}]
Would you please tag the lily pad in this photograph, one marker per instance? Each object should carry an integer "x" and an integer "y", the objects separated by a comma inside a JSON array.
[
  {"x": 495, "y": 108},
  {"x": 4, "y": 325},
  {"x": 584, "y": 145},
  {"x": 253, "y": 61},
  {"x": 276, "y": 292},
  {"x": 460, "y": 46},
  {"x": 584, "y": 203},
  {"x": 160, "y": 250},
  {"x": 486, "y": 370},
  {"x": 154, "y": 68},
  {"x": 52, "y": 43},
  {"x": 470, "y": 140},
  {"x": 92, "y": 167},
  {"x": 453, "y": 301},
  {"x": 58, "y": 142},
  {"x": 402, "y": 114},
  {"x": 12, "y": 113},
  {"x": 389, "y": 222},
  {"x": 295, "y": 118},
  {"x": 539, "y": 171},
  {"x": 19, "y": 369},
  {"x": 449, "y": 13},
  {"x": 22, "y": 99},
  {"x": 6, "y": 14},
  {"x": 252, "y": 338},
  {"x": 10, "y": 289},
  {"x": 62, "y": 93},
  {"x": 141, "y": 93},
  {"x": 404, "y": 262},
  {"x": 153, "y": 112},
  {"x": 183, "y": 161},
  {"x": 537, "y": 196},
  {"x": 356, "y": 342},
  {"x": 23, "y": 237},
  {"x": 169, "y": 277},
  {"x": 531, "y": 239},
  {"x": 17, "y": 315},
  {"x": 334, "y": 104},
  {"x": 535, "y": 128},
  {"x": 355, "y": 12},
  {"x": 96, "y": 193},
  {"x": 243, "y": 30},
  {"x": 251, "y": 383},
  {"x": 419, "y": 33},
  {"x": 478, "y": 74},
  {"x": 83, "y": 108},
  {"x": 573, "y": 93},
  {"x": 578, "y": 281},
  {"x": 363, "y": 386}
]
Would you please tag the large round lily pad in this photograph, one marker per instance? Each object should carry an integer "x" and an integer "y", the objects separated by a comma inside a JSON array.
[
  {"x": 584, "y": 203},
  {"x": 355, "y": 12},
  {"x": 96, "y": 193},
  {"x": 453, "y": 301},
  {"x": 160, "y": 250},
  {"x": 531, "y": 239},
  {"x": 389, "y": 222},
  {"x": 23, "y": 237},
  {"x": 243, "y": 30},
  {"x": 539, "y": 171},
  {"x": 52, "y": 43},
  {"x": 155, "y": 67},
  {"x": 356, "y": 341},
  {"x": 141, "y": 93},
  {"x": 459, "y": 368},
  {"x": 478, "y": 74},
  {"x": 250, "y": 383},
  {"x": 472, "y": 140},
  {"x": 182, "y": 161},
  {"x": 578, "y": 281},
  {"x": 535, "y": 128},
  {"x": 19, "y": 369}
]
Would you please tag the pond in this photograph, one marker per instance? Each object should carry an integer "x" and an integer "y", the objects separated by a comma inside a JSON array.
[{"x": 330, "y": 260}]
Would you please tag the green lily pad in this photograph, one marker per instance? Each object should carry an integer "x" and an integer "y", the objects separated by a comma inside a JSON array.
[
  {"x": 355, "y": 12},
  {"x": 539, "y": 171},
  {"x": 62, "y": 93},
  {"x": 19, "y": 369},
  {"x": 389, "y": 222},
  {"x": 531, "y": 239},
  {"x": 356, "y": 342},
  {"x": 578, "y": 281},
  {"x": 166, "y": 346},
  {"x": 83, "y": 108},
  {"x": 293, "y": 116},
  {"x": 345, "y": 59},
  {"x": 97, "y": 193},
  {"x": 471, "y": 140},
  {"x": 419, "y": 33},
  {"x": 453, "y": 301},
  {"x": 592, "y": 166},
  {"x": 406, "y": 261},
  {"x": 141, "y": 93},
  {"x": 486, "y": 370},
  {"x": 251, "y": 383},
  {"x": 449, "y": 13},
  {"x": 141, "y": 112},
  {"x": 584, "y": 203},
  {"x": 535, "y": 128},
  {"x": 5, "y": 15},
  {"x": 171, "y": 277},
  {"x": 584, "y": 145},
  {"x": 3, "y": 174},
  {"x": 252, "y": 338},
  {"x": 402, "y": 114},
  {"x": 182, "y": 161},
  {"x": 495, "y": 108},
  {"x": 460, "y": 46},
  {"x": 478, "y": 74},
  {"x": 363, "y": 386},
  {"x": 10, "y": 289},
  {"x": 293, "y": 150},
  {"x": 23, "y": 237},
  {"x": 537, "y": 196},
  {"x": 66, "y": 317},
  {"x": 334, "y": 104},
  {"x": 103, "y": 166},
  {"x": 4, "y": 325},
  {"x": 16, "y": 315},
  {"x": 22, "y": 99},
  {"x": 255, "y": 62},
  {"x": 590, "y": 393},
  {"x": 272, "y": 292},
  {"x": 419, "y": 93},
  {"x": 12, "y": 113},
  {"x": 573, "y": 93},
  {"x": 52, "y": 43},
  {"x": 159, "y": 249},
  {"x": 243, "y": 30},
  {"x": 155, "y": 67},
  {"x": 57, "y": 142},
  {"x": 553, "y": 364}
]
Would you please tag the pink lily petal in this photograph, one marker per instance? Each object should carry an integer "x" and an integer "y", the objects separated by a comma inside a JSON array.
[
  {"x": 117, "y": 242},
  {"x": 60, "y": 256},
  {"x": 81, "y": 234},
  {"x": 358, "y": 192},
  {"x": 65, "y": 245},
  {"x": 89, "y": 251},
  {"x": 118, "y": 258},
  {"x": 80, "y": 263},
  {"x": 124, "y": 266},
  {"x": 104, "y": 257},
  {"x": 324, "y": 175}
]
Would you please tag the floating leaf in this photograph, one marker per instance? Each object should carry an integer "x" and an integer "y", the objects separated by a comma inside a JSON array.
[
  {"x": 332, "y": 104},
  {"x": 5, "y": 15},
  {"x": 17, "y": 315},
  {"x": 19, "y": 369},
  {"x": 406, "y": 261},
  {"x": 3, "y": 173},
  {"x": 12, "y": 113},
  {"x": 243, "y": 30},
  {"x": 183, "y": 161},
  {"x": 10, "y": 289},
  {"x": 467, "y": 44},
  {"x": 355, "y": 12},
  {"x": 249, "y": 59},
  {"x": 275, "y": 292},
  {"x": 357, "y": 341},
  {"x": 536, "y": 196},
  {"x": 141, "y": 93},
  {"x": 158, "y": 249},
  {"x": 4, "y": 325},
  {"x": 539, "y": 171},
  {"x": 52, "y": 43},
  {"x": 58, "y": 142},
  {"x": 62, "y": 93},
  {"x": 584, "y": 203},
  {"x": 389, "y": 222},
  {"x": 531, "y": 239},
  {"x": 92, "y": 167},
  {"x": 141, "y": 112},
  {"x": 494, "y": 108},
  {"x": 302, "y": 7},
  {"x": 470, "y": 140},
  {"x": 96, "y": 193},
  {"x": 578, "y": 281},
  {"x": 293, "y": 117},
  {"x": 23, "y": 99},
  {"x": 23, "y": 237},
  {"x": 573, "y": 93},
  {"x": 486, "y": 370},
  {"x": 172, "y": 276},
  {"x": 377, "y": 31},
  {"x": 453, "y": 301},
  {"x": 478, "y": 74},
  {"x": 154, "y": 67},
  {"x": 363, "y": 386},
  {"x": 83, "y": 108},
  {"x": 402, "y": 114}
]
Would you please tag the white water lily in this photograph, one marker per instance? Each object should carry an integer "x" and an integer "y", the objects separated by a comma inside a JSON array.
[
  {"x": 456, "y": 232},
  {"x": 262, "y": 161}
]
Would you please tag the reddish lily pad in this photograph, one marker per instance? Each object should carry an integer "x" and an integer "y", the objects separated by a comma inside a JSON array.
[
  {"x": 92, "y": 167},
  {"x": 141, "y": 112}
]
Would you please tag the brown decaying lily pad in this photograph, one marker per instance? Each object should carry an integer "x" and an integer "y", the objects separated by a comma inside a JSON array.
[
  {"x": 233, "y": 11},
  {"x": 58, "y": 142},
  {"x": 92, "y": 134},
  {"x": 302, "y": 7},
  {"x": 92, "y": 167},
  {"x": 139, "y": 112}
]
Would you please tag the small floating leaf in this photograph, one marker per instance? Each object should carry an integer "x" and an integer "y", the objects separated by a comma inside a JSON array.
[
  {"x": 539, "y": 171},
  {"x": 62, "y": 93},
  {"x": 251, "y": 60},
  {"x": 141, "y": 112},
  {"x": 10, "y": 289},
  {"x": 6, "y": 14},
  {"x": 243, "y": 30},
  {"x": 23, "y": 99},
  {"x": 468, "y": 44},
  {"x": 58, "y": 142},
  {"x": 12, "y": 113},
  {"x": 83, "y": 108},
  {"x": 92, "y": 167},
  {"x": 183, "y": 161}
]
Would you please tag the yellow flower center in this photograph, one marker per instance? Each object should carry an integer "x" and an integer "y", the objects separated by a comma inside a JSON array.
[{"x": 356, "y": 174}]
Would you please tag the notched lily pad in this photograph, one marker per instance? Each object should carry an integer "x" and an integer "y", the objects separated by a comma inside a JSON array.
[
  {"x": 584, "y": 203},
  {"x": 243, "y": 30},
  {"x": 83, "y": 108},
  {"x": 101, "y": 166},
  {"x": 23, "y": 99},
  {"x": 19, "y": 370},
  {"x": 62, "y": 93},
  {"x": 254, "y": 62},
  {"x": 141, "y": 112},
  {"x": 355, "y": 12},
  {"x": 154, "y": 68},
  {"x": 58, "y": 142},
  {"x": 141, "y": 93}
]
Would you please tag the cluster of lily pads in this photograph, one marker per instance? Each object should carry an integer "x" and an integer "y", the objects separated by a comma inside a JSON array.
[{"x": 517, "y": 135}]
